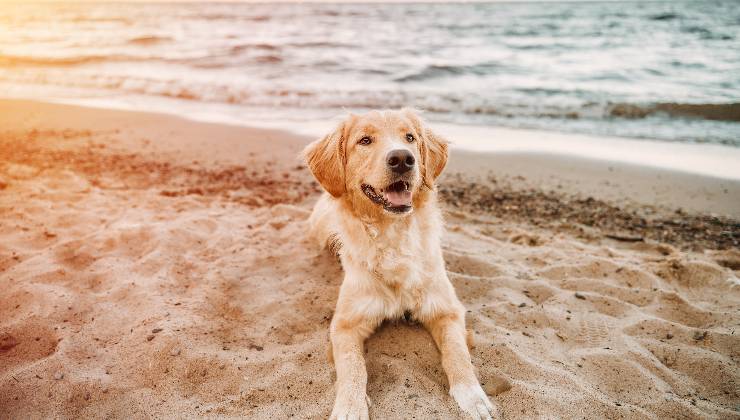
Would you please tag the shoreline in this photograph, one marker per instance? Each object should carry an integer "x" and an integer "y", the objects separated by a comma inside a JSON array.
[{"x": 705, "y": 159}]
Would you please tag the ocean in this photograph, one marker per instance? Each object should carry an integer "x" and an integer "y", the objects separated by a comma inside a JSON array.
[{"x": 666, "y": 71}]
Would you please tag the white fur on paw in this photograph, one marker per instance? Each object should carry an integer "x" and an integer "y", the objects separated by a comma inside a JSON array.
[
  {"x": 474, "y": 401},
  {"x": 350, "y": 406}
]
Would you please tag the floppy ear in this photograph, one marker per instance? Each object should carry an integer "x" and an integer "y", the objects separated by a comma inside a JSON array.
[
  {"x": 325, "y": 158},
  {"x": 433, "y": 149}
]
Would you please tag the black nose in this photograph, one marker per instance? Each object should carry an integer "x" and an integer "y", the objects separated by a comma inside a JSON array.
[{"x": 400, "y": 161}]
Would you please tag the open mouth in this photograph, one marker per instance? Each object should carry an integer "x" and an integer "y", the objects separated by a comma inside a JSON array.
[{"x": 395, "y": 198}]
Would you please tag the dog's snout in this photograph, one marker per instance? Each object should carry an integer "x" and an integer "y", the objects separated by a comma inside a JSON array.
[{"x": 400, "y": 160}]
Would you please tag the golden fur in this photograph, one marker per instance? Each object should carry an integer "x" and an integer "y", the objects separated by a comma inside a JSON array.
[{"x": 392, "y": 262}]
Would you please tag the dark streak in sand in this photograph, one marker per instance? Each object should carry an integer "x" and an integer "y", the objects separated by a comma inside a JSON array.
[{"x": 687, "y": 231}]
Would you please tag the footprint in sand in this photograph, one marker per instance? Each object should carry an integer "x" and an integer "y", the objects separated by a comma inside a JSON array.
[{"x": 592, "y": 331}]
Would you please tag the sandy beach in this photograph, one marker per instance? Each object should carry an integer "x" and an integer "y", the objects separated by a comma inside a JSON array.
[{"x": 157, "y": 267}]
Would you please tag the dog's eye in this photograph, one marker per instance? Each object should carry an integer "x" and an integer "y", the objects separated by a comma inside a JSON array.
[
  {"x": 410, "y": 138},
  {"x": 365, "y": 141}
]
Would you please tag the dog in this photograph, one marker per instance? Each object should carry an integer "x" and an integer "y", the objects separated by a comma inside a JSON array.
[{"x": 379, "y": 212}]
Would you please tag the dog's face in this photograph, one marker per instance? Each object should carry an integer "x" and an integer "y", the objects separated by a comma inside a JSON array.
[{"x": 383, "y": 161}]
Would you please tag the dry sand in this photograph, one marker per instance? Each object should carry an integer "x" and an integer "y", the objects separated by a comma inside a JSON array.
[{"x": 156, "y": 267}]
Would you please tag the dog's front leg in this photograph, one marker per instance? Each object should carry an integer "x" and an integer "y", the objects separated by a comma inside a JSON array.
[
  {"x": 348, "y": 341},
  {"x": 448, "y": 331}
]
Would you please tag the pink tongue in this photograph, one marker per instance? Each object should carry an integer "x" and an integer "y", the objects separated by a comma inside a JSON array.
[{"x": 398, "y": 198}]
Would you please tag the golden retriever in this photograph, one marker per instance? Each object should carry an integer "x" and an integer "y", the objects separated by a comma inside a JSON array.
[{"x": 380, "y": 214}]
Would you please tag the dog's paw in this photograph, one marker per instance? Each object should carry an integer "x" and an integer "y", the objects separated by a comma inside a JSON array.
[
  {"x": 474, "y": 402},
  {"x": 350, "y": 406}
]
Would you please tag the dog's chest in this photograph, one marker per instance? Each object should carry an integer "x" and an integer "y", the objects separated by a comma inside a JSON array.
[
  {"x": 395, "y": 266},
  {"x": 397, "y": 261}
]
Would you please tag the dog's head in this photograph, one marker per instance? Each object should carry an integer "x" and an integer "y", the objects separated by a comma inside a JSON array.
[{"x": 382, "y": 161}]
